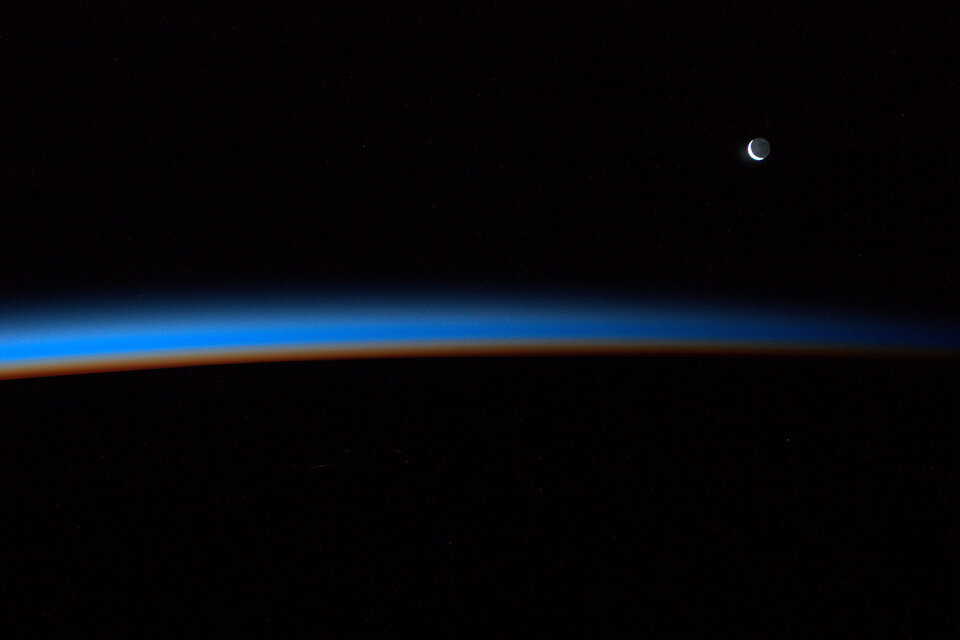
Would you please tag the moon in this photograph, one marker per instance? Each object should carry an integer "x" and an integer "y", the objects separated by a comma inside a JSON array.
[{"x": 758, "y": 149}]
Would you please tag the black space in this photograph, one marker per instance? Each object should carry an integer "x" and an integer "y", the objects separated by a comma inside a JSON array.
[{"x": 486, "y": 145}]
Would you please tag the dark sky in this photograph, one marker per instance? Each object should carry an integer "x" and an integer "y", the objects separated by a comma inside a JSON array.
[{"x": 485, "y": 146}]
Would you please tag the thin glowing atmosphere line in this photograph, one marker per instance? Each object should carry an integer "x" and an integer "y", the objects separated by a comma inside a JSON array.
[{"x": 105, "y": 336}]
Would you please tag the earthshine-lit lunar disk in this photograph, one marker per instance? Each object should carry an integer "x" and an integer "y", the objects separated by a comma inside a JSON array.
[{"x": 758, "y": 149}]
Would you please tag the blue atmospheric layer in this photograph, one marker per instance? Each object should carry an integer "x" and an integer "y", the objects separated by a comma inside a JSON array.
[{"x": 111, "y": 330}]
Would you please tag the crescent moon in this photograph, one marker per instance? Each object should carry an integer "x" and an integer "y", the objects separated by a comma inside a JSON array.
[{"x": 750, "y": 151}]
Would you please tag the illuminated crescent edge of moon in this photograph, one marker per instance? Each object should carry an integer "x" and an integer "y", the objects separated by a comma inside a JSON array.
[{"x": 750, "y": 152}]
